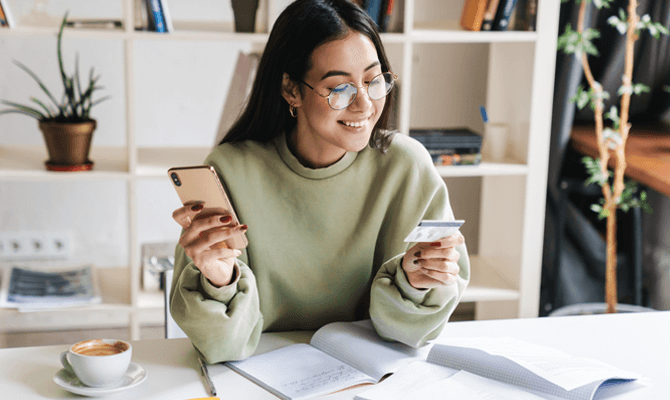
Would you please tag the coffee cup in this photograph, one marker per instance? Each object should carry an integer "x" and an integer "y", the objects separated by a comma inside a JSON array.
[{"x": 99, "y": 362}]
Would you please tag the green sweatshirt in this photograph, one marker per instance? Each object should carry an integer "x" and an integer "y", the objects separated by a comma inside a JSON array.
[{"x": 324, "y": 245}]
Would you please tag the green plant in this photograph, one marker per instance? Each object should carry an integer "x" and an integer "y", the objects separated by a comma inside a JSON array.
[
  {"x": 617, "y": 194},
  {"x": 76, "y": 102}
]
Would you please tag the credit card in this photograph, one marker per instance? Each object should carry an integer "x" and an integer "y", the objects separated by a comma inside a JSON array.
[{"x": 432, "y": 230}]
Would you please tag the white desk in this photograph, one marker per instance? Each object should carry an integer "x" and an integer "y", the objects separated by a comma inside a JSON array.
[{"x": 635, "y": 342}]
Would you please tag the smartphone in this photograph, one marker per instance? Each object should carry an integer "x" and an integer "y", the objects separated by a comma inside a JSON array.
[{"x": 201, "y": 185}]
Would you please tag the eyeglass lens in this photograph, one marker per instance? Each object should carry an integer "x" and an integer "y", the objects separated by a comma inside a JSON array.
[{"x": 344, "y": 94}]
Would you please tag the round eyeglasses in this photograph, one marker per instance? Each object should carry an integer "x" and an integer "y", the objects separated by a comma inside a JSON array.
[{"x": 345, "y": 93}]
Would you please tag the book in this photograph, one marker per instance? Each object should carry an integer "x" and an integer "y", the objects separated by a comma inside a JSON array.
[
  {"x": 6, "y": 16},
  {"x": 385, "y": 18},
  {"x": 167, "y": 19},
  {"x": 531, "y": 15},
  {"x": 472, "y": 15},
  {"x": 490, "y": 15},
  {"x": 441, "y": 159},
  {"x": 30, "y": 288},
  {"x": 339, "y": 356},
  {"x": 443, "y": 139},
  {"x": 155, "y": 14},
  {"x": 238, "y": 92},
  {"x": 500, "y": 368},
  {"x": 503, "y": 15},
  {"x": 140, "y": 15},
  {"x": 373, "y": 8}
]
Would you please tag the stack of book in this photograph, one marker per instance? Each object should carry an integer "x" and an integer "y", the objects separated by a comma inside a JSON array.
[{"x": 458, "y": 146}]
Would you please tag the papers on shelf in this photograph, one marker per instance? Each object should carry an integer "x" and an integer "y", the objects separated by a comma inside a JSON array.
[{"x": 32, "y": 288}]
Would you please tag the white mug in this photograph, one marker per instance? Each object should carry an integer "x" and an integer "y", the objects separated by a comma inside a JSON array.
[
  {"x": 98, "y": 362},
  {"x": 495, "y": 142}
]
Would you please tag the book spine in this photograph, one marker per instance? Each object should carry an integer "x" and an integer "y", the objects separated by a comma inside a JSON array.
[
  {"x": 456, "y": 159},
  {"x": 490, "y": 14},
  {"x": 386, "y": 15},
  {"x": 531, "y": 14},
  {"x": 373, "y": 8},
  {"x": 504, "y": 13},
  {"x": 6, "y": 19},
  {"x": 156, "y": 16},
  {"x": 167, "y": 20},
  {"x": 472, "y": 14},
  {"x": 3, "y": 21}
]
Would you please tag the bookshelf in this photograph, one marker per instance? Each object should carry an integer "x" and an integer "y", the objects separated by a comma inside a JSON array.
[{"x": 445, "y": 74}]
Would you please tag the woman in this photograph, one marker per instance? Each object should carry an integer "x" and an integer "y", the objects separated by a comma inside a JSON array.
[{"x": 328, "y": 196}]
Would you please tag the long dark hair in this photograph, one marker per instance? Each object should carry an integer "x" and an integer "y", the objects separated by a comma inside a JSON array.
[{"x": 302, "y": 27}]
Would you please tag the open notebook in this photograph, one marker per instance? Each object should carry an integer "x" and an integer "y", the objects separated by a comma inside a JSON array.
[
  {"x": 501, "y": 369},
  {"x": 343, "y": 355},
  {"x": 339, "y": 356}
]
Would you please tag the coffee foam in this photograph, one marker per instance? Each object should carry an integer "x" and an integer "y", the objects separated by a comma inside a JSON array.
[{"x": 98, "y": 347}]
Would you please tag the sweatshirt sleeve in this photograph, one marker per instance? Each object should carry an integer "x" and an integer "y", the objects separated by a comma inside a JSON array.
[
  {"x": 413, "y": 316},
  {"x": 222, "y": 323},
  {"x": 399, "y": 311}
]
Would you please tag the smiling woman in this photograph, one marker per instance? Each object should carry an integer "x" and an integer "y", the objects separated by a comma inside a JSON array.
[{"x": 328, "y": 194}]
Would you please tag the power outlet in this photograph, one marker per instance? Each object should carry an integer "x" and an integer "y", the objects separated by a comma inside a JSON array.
[{"x": 34, "y": 245}]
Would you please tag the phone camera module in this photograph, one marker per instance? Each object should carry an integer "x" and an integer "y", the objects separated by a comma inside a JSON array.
[{"x": 175, "y": 179}]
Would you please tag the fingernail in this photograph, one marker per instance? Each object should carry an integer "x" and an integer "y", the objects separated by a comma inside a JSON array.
[
  {"x": 243, "y": 228},
  {"x": 226, "y": 219},
  {"x": 436, "y": 244},
  {"x": 197, "y": 207},
  {"x": 238, "y": 253},
  {"x": 417, "y": 254}
]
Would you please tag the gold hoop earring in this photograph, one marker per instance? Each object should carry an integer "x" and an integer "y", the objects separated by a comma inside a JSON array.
[{"x": 291, "y": 110}]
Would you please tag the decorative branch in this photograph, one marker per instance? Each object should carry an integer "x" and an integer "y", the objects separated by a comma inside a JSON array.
[{"x": 616, "y": 194}]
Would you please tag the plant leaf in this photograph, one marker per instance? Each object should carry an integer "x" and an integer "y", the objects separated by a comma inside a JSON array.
[
  {"x": 38, "y": 80},
  {"x": 36, "y": 113},
  {"x": 38, "y": 102}
]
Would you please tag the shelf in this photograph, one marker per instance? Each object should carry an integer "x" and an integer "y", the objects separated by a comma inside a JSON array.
[
  {"x": 483, "y": 169},
  {"x": 450, "y": 32},
  {"x": 154, "y": 162},
  {"x": 486, "y": 284},
  {"x": 114, "y": 311},
  {"x": 27, "y": 163},
  {"x": 116, "y": 33}
]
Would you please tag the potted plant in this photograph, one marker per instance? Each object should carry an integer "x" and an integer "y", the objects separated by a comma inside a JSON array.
[
  {"x": 66, "y": 125},
  {"x": 617, "y": 193}
]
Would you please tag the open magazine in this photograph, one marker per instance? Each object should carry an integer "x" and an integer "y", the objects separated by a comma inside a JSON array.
[{"x": 30, "y": 288}]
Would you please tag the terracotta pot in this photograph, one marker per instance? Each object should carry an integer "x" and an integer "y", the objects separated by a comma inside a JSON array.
[
  {"x": 245, "y": 14},
  {"x": 68, "y": 144}
]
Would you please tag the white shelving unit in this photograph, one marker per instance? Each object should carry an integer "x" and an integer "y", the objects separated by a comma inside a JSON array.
[{"x": 445, "y": 74}]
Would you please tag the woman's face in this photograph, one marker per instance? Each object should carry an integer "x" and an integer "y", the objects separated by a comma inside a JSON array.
[{"x": 324, "y": 135}]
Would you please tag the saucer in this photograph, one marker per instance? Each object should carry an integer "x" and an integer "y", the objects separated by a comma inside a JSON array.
[{"x": 133, "y": 377}]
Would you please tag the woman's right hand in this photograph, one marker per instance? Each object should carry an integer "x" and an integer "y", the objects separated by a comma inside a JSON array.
[{"x": 203, "y": 242}]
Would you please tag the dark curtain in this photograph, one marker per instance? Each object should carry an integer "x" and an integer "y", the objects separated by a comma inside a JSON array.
[{"x": 578, "y": 275}]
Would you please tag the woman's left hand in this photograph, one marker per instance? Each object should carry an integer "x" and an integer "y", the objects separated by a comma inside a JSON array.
[{"x": 429, "y": 265}]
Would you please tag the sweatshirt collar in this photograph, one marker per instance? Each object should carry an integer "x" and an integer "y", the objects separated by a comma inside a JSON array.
[{"x": 319, "y": 173}]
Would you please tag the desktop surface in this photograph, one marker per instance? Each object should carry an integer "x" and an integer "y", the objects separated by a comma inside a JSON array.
[{"x": 637, "y": 342}]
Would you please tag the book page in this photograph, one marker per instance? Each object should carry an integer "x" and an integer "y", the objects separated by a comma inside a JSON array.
[
  {"x": 526, "y": 365},
  {"x": 299, "y": 371},
  {"x": 466, "y": 386},
  {"x": 407, "y": 380},
  {"x": 364, "y": 349}
]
